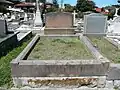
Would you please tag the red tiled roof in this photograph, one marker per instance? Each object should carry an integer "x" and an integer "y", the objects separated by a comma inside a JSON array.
[
  {"x": 100, "y": 11},
  {"x": 24, "y": 4}
]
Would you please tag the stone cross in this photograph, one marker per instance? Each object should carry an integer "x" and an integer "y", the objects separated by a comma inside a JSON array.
[
  {"x": 74, "y": 17},
  {"x": 116, "y": 12}
]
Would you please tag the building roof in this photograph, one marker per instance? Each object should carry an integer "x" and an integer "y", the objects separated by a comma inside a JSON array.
[{"x": 102, "y": 11}]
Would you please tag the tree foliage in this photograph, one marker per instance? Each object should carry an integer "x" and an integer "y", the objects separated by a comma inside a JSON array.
[
  {"x": 68, "y": 8},
  {"x": 118, "y": 13},
  {"x": 111, "y": 9},
  {"x": 85, "y": 5},
  {"x": 3, "y": 9},
  {"x": 55, "y": 3}
]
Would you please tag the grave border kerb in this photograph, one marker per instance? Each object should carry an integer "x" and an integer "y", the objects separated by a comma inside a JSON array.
[{"x": 20, "y": 60}]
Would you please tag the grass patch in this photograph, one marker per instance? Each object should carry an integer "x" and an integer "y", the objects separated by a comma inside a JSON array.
[
  {"x": 106, "y": 49},
  {"x": 59, "y": 49},
  {"x": 5, "y": 69}
]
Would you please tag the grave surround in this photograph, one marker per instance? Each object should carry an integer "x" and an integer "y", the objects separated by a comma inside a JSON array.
[{"x": 43, "y": 68}]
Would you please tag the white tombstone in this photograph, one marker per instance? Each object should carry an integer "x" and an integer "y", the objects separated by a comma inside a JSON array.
[
  {"x": 13, "y": 17},
  {"x": 114, "y": 28},
  {"x": 95, "y": 24},
  {"x": 38, "y": 20},
  {"x": 25, "y": 17}
]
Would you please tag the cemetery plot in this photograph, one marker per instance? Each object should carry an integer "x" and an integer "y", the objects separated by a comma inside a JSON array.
[
  {"x": 56, "y": 56},
  {"x": 60, "y": 49},
  {"x": 106, "y": 48}
]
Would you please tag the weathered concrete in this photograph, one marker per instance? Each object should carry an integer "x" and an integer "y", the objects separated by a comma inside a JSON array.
[
  {"x": 74, "y": 82},
  {"x": 93, "y": 50},
  {"x": 66, "y": 67},
  {"x": 57, "y": 68},
  {"x": 60, "y": 31},
  {"x": 114, "y": 72},
  {"x": 74, "y": 67},
  {"x": 25, "y": 36},
  {"x": 59, "y": 20}
]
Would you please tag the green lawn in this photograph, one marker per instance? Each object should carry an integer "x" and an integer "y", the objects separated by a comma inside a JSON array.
[
  {"x": 5, "y": 69},
  {"x": 60, "y": 49},
  {"x": 106, "y": 49}
]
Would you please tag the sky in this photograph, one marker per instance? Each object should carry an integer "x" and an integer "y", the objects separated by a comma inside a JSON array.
[{"x": 99, "y": 3}]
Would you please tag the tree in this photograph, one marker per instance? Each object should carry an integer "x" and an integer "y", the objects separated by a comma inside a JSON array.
[
  {"x": 85, "y": 5},
  {"x": 68, "y": 8},
  {"x": 111, "y": 9},
  {"x": 118, "y": 13},
  {"x": 55, "y": 4},
  {"x": 3, "y": 9}
]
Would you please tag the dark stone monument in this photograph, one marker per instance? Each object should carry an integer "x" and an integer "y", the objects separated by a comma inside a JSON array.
[{"x": 3, "y": 28}]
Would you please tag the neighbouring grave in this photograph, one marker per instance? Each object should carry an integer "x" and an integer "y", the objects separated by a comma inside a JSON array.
[
  {"x": 95, "y": 24},
  {"x": 8, "y": 39},
  {"x": 106, "y": 48},
  {"x": 59, "y": 23}
]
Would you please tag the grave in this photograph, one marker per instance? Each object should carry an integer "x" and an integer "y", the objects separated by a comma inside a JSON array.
[
  {"x": 95, "y": 24},
  {"x": 59, "y": 23},
  {"x": 56, "y": 60},
  {"x": 8, "y": 39},
  {"x": 62, "y": 69}
]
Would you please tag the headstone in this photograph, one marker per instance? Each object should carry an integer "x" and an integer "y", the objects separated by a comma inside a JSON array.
[
  {"x": 95, "y": 24},
  {"x": 59, "y": 20},
  {"x": 3, "y": 28}
]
